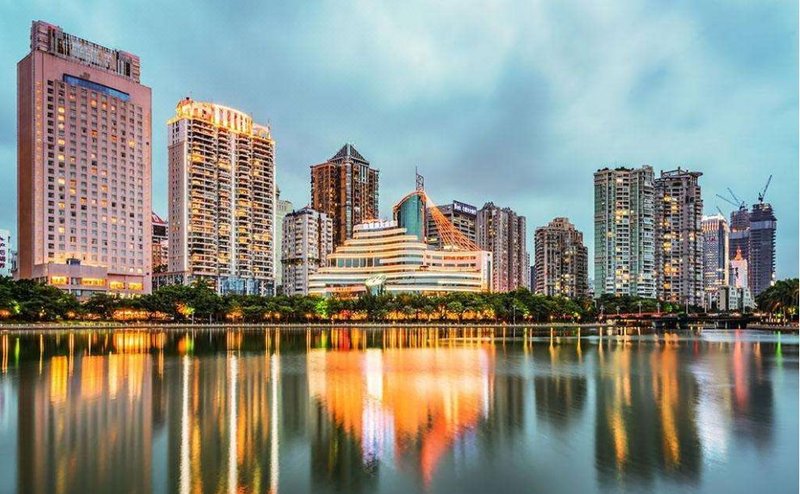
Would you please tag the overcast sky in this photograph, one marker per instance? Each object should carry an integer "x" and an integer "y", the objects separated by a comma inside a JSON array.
[{"x": 512, "y": 102}]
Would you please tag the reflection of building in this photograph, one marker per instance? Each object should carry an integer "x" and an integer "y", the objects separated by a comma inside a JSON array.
[
  {"x": 84, "y": 156},
  {"x": 384, "y": 256},
  {"x": 624, "y": 229},
  {"x": 307, "y": 242},
  {"x": 86, "y": 425},
  {"x": 282, "y": 208},
  {"x": 346, "y": 189},
  {"x": 562, "y": 261},
  {"x": 679, "y": 246},
  {"x": 5, "y": 253},
  {"x": 363, "y": 395},
  {"x": 560, "y": 397},
  {"x": 221, "y": 199},
  {"x": 460, "y": 214},
  {"x": 715, "y": 256},
  {"x": 502, "y": 232}
]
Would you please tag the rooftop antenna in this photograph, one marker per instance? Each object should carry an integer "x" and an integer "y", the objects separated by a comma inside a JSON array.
[
  {"x": 764, "y": 192},
  {"x": 420, "y": 180}
]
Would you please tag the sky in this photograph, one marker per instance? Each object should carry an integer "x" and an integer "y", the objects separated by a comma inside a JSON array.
[{"x": 512, "y": 102}]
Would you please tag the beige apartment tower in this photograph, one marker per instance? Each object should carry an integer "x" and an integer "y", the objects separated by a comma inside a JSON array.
[
  {"x": 346, "y": 189},
  {"x": 503, "y": 233},
  {"x": 562, "y": 261},
  {"x": 307, "y": 242},
  {"x": 221, "y": 199},
  {"x": 83, "y": 166}
]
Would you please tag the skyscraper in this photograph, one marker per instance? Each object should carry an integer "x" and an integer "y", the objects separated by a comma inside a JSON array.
[
  {"x": 460, "y": 214},
  {"x": 561, "y": 266},
  {"x": 83, "y": 166},
  {"x": 715, "y": 254},
  {"x": 160, "y": 244},
  {"x": 307, "y": 241},
  {"x": 221, "y": 199},
  {"x": 624, "y": 245},
  {"x": 740, "y": 232},
  {"x": 5, "y": 253},
  {"x": 679, "y": 250},
  {"x": 346, "y": 189},
  {"x": 503, "y": 233},
  {"x": 761, "y": 258},
  {"x": 283, "y": 208}
]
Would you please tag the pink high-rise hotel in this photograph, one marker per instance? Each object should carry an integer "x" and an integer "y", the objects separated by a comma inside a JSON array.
[{"x": 84, "y": 166}]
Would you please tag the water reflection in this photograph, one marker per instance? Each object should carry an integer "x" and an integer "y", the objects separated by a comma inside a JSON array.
[{"x": 392, "y": 410}]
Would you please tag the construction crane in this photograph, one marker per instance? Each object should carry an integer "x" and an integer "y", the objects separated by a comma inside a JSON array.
[
  {"x": 764, "y": 192},
  {"x": 736, "y": 205},
  {"x": 720, "y": 212},
  {"x": 742, "y": 204}
]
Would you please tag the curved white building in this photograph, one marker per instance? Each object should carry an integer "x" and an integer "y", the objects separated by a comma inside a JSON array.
[{"x": 401, "y": 263}]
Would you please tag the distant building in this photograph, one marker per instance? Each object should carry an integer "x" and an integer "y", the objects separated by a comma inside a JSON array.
[
  {"x": 503, "y": 233},
  {"x": 716, "y": 260},
  {"x": 221, "y": 199},
  {"x": 383, "y": 257},
  {"x": 624, "y": 232},
  {"x": 679, "y": 246},
  {"x": 283, "y": 208},
  {"x": 562, "y": 261},
  {"x": 160, "y": 244},
  {"x": 462, "y": 215},
  {"x": 6, "y": 254},
  {"x": 83, "y": 166},
  {"x": 739, "y": 271},
  {"x": 761, "y": 258},
  {"x": 409, "y": 213},
  {"x": 346, "y": 189},
  {"x": 307, "y": 241}
]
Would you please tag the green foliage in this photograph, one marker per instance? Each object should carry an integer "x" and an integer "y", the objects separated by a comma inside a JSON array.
[{"x": 781, "y": 298}]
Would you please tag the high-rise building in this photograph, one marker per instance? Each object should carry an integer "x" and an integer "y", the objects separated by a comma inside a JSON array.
[
  {"x": 739, "y": 270},
  {"x": 761, "y": 258},
  {"x": 83, "y": 166},
  {"x": 562, "y": 261},
  {"x": 716, "y": 259},
  {"x": 679, "y": 250},
  {"x": 160, "y": 244},
  {"x": 5, "y": 253},
  {"x": 410, "y": 214},
  {"x": 283, "y": 208},
  {"x": 221, "y": 199},
  {"x": 346, "y": 189},
  {"x": 740, "y": 232},
  {"x": 503, "y": 233},
  {"x": 307, "y": 241},
  {"x": 460, "y": 214},
  {"x": 624, "y": 229}
]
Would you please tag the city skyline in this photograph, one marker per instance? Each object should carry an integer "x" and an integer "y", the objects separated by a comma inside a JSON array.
[{"x": 423, "y": 127}]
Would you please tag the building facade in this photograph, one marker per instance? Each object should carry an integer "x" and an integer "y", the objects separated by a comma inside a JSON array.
[
  {"x": 83, "y": 166},
  {"x": 561, "y": 260},
  {"x": 160, "y": 244},
  {"x": 283, "y": 208},
  {"x": 6, "y": 254},
  {"x": 383, "y": 257},
  {"x": 221, "y": 199},
  {"x": 346, "y": 189},
  {"x": 716, "y": 259},
  {"x": 307, "y": 242},
  {"x": 624, "y": 232},
  {"x": 679, "y": 250},
  {"x": 761, "y": 258},
  {"x": 463, "y": 216},
  {"x": 503, "y": 233}
]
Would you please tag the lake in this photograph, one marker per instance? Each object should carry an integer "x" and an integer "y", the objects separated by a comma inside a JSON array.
[{"x": 397, "y": 411}]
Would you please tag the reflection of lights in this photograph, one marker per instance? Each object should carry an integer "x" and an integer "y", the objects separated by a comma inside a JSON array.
[
  {"x": 58, "y": 379},
  {"x": 274, "y": 466},
  {"x": 184, "y": 464},
  {"x": 233, "y": 371}
]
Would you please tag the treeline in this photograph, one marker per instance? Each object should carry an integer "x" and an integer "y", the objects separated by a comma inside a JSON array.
[
  {"x": 27, "y": 301},
  {"x": 780, "y": 299}
]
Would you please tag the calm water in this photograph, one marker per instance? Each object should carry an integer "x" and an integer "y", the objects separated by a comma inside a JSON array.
[{"x": 400, "y": 411}]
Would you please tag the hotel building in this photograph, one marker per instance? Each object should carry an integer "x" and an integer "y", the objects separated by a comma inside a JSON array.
[
  {"x": 562, "y": 261},
  {"x": 221, "y": 199},
  {"x": 679, "y": 250},
  {"x": 624, "y": 229},
  {"x": 715, "y": 255},
  {"x": 503, "y": 233},
  {"x": 307, "y": 242},
  {"x": 282, "y": 209},
  {"x": 83, "y": 166},
  {"x": 346, "y": 189},
  {"x": 383, "y": 257},
  {"x": 462, "y": 216}
]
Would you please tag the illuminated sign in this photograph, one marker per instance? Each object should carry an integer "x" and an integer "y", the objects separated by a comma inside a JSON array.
[{"x": 464, "y": 208}]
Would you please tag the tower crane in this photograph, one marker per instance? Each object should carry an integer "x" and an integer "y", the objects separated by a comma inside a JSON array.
[{"x": 764, "y": 192}]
